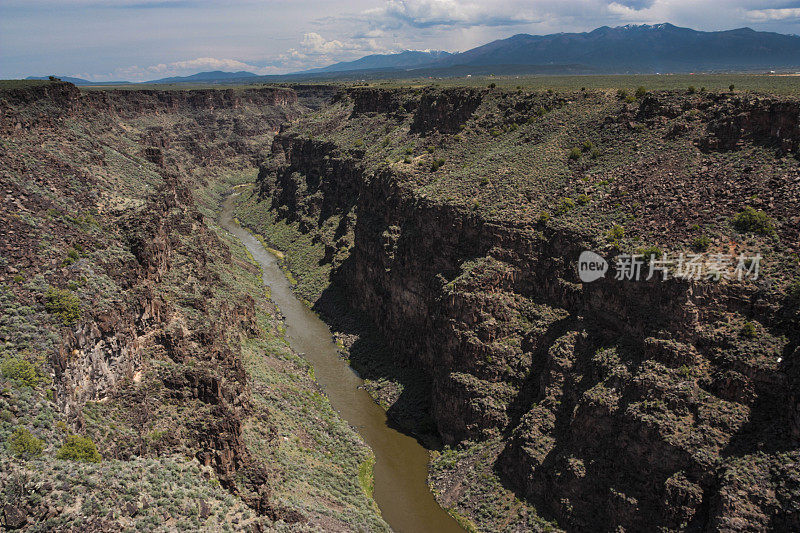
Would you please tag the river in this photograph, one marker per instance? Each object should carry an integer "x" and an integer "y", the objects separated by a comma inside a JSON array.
[{"x": 401, "y": 463}]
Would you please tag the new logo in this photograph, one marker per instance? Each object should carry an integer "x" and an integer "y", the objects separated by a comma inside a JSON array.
[{"x": 591, "y": 266}]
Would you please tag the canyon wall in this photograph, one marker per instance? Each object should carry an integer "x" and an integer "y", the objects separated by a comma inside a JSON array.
[
  {"x": 618, "y": 404},
  {"x": 148, "y": 333}
]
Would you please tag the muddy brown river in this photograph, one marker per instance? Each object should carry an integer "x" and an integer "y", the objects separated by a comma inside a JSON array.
[{"x": 401, "y": 463}]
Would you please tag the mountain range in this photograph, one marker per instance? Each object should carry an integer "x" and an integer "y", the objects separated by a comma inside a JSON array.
[
  {"x": 403, "y": 60},
  {"x": 621, "y": 50},
  {"x": 80, "y": 82},
  {"x": 624, "y": 49},
  {"x": 216, "y": 76},
  {"x": 641, "y": 49},
  {"x": 207, "y": 77}
]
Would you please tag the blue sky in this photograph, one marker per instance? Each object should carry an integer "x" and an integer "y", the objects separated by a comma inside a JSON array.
[{"x": 146, "y": 39}]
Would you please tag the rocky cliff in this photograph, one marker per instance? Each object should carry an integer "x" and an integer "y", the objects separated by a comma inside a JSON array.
[
  {"x": 131, "y": 321},
  {"x": 452, "y": 219}
]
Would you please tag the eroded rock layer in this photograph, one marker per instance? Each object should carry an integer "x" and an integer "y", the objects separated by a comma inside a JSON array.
[
  {"x": 134, "y": 328},
  {"x": 453, "y": 219}
]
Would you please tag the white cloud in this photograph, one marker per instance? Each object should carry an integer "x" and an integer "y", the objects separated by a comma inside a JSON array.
[
  {"x": 315, "y": 43},
  {"x": 623, "y": 10},
  {"x": 314, "y": 50},
  {"x": 577, "y": 15},
  {"x": 430, "y": 13},
  {"x": 767, "y": 15},
  {"x": 155, "y": 37}
]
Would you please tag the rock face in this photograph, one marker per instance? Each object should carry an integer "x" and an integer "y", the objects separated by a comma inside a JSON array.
[
  {"x": 131, "y": 103},
  {"x": 152, "y": 340},
  {"x": 95, "y": 359},
  {"x": 620, "y": 404},
  {"x": 764, "y": 121},
  {"x": 445, "y": 111}
]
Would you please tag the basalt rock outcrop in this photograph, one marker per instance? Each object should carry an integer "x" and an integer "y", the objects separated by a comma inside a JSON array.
[
  {"x": 122, "y": 299},
  {"x": 633, "y": 405},
  {"x": 760, "y": 120}
]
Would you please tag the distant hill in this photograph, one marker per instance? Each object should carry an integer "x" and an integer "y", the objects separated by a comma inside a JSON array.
[
  {"x": 645, "y": 48},
  {"x": 432, "y": 72},
  {"x": 624, "y": 49},
  {"x": 630, "y": 49},
  {"x": 79, "y": 81},
  {"x": 215, "y": 76},
  {"x": 403, "y": 60}
]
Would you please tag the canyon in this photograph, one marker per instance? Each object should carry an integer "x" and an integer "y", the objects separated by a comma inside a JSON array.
[
  {"x": 614, "y": 404},
  {"x": 132, "y": 320},
  {"x": 436, "y": 230}
]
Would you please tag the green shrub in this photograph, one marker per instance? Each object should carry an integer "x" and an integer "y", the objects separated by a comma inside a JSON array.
[
  {"x": 19, "y": 279},
  {"x": 407, "y": 160},
  {"x": 595, "y": 153},
  {"x": 72, "y": 257},
  {"x": 565, "y": 205},
  {"x": 90, "y": 220},
  {"x": 64, "y": 304},
  {"x": 358, "y": 143},
  {"x": 437, "y": 164},
  {"x": 622, "y": 94},
  {"x": 484, "y": 181},
  {"x": 544, "y": 216},
  {"x": 583, "y": 199},
  {"x": 409, "y": 150},
  {"x": 793, "y": 292},
  {"x": 366, "y": 477},
  {"x": 616, "y": 232},
  {"x": 701, "y": 243},
  {"x": 492, "y": 85},
  {"x": 648, "y": 251},
  {"x": 731, "y": 87},
  {"x": 574, "y": 154},
  {"x": 641, "y": 92},
  {"x": 749, "y": 330},
  {"x": 588, "y": 146},
  {"x": 691, "y": 89},
  {"x": 23, "y": 444},
  {"x": 752, "y": 220},
  {"x": 77, "y": 448},
  {"x": 21, "y": 371},
  {"x": 495, "y": 132}
]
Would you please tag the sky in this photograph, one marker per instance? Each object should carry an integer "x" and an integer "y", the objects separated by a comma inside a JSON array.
[{"x": 137, "y": 40}]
